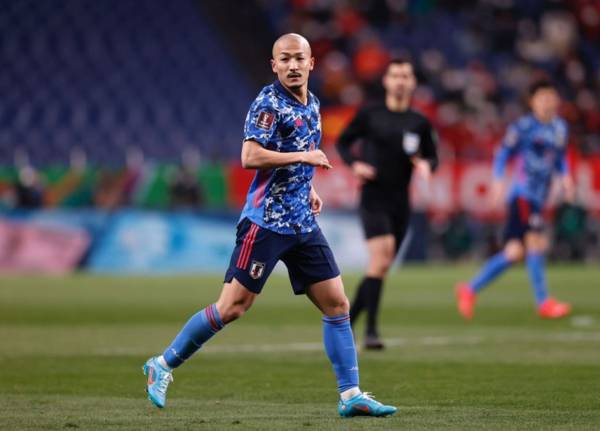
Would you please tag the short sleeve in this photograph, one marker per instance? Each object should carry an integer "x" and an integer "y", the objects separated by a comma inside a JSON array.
[
  {"x": 562, "y": 137},
  {"x": 507, "y": 150},
  {"x": 261, "y": 121},
  {"x": 356, "y": 129},
  {"x": 429, "y": 141},
  {"x": 511, "y": 137}
]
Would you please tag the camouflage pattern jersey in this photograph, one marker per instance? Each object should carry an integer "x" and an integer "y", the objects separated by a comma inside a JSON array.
[{"x": 278, "y": 198}]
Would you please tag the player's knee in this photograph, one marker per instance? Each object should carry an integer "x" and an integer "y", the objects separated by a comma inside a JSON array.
[
  {"x": 342, "y": 306},
  {"x": 232, "y": 311},
  {"x": 536, "y": 243},
  {"x": 514, "y": 252},
  {"x": 336, "y": 306}
]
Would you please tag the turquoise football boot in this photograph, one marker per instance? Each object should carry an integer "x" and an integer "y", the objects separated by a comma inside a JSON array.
[
  {"x": 158, "y": 382},
  {"x": 363, "y": 404}
]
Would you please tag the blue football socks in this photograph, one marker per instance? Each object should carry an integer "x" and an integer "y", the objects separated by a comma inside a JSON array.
[
  {"x": 495, "y": 266},
  {"x": 200, "y": 328},
  {"x": 339, "y": 345},
  {"x": 535, "y": 267}
]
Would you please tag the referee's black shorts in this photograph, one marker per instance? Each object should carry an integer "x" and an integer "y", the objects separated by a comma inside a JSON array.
[{"x": 385, "y": 219}]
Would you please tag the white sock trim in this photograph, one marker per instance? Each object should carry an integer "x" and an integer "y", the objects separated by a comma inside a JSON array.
[
  {"x": 163, "y": 363},
  {"x": 350, "y": 393}
]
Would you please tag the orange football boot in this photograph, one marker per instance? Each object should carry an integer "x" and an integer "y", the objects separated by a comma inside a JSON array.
[
  {"x": 552, "y": 309},
  {"x": 465, "y": 300}
]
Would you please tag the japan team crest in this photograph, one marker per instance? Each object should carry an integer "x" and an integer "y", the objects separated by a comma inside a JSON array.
[{"x": 256, "y": 269}]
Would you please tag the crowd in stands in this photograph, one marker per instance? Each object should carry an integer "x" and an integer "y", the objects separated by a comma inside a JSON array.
[
  {"x": 475, "y": 59},
  {"x": 155, "y": 76}
]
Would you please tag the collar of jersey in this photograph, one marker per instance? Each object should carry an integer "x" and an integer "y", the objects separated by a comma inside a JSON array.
[{"x": 285, "y": 93}]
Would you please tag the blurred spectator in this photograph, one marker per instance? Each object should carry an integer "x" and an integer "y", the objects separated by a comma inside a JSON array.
[
  {"x": 184, "y": 190},
  {"x": 475, "y": 58},
  {"x": 29, "y": 192}
]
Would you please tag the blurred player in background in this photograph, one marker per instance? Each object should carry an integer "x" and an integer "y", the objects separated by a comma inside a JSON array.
[
  {"x": 281, "y": 139},
  {"x": 393, "y": 140},
  {"x": 537, "y": 144}
]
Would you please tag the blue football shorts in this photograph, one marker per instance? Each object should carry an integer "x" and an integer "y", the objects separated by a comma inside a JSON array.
[
  {"x": 307, "y": 256},
  {"x": 524, "y": 216}
]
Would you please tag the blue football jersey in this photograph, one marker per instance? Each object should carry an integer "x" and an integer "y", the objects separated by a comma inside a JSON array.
[
  {"x": 538, "y": 150},
  {"x": 278, "y": 198}
]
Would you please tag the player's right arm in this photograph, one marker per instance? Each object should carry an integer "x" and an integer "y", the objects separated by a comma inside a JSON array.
[
  {"x": 255, "y": 156},
  {"x": 561, "y": 166},
  {"x": 260, "y": 126},
  {"x": 506, "y": 151}
]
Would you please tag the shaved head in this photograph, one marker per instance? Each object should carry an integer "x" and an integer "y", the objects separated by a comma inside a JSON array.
[
  {"x": 292, "y": 62},
  {"x": 291, "y": 41}
]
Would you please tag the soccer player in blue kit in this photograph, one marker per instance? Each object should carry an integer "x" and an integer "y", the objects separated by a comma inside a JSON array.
[
  {"x": 537, "y": 144},
  {"x": 282, "y": 134}
]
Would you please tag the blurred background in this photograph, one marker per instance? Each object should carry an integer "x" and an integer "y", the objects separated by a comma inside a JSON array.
[{"x": 121, "y": 121}]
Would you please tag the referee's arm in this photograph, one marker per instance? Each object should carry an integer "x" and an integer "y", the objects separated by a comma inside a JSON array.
[
  {"x": 354, "y": 131},
  {"x": 429, "y": 147}
]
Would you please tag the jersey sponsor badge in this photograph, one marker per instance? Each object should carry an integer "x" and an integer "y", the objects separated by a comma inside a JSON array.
[
  {"x": 410, "y": 143},
  {"x": 265, "y": 120},
  {"x": 256, "y": 269}
]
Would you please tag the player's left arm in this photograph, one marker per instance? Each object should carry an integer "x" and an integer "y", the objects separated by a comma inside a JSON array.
[
  {"x": 316, "y": 203},
  {"x": 427, "y": 160},
  {"x": 562, "y": 168}
]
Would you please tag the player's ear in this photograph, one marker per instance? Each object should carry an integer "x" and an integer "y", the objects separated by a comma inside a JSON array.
[
  {"x": 312, "y": 63},
  {"x": 273, "y": 66}
]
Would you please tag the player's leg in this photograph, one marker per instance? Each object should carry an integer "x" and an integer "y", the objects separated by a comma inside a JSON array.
[
  {"x": 497, "y": 264},
  {"x": 330, "y": 298},
  {"x": 466, "y": 292},
  {"x": 251, "y": 262},
  {"x": 233, "y": 302},
  {"x": 313, "y": 270},
  {"x": 536, "y": 245}
]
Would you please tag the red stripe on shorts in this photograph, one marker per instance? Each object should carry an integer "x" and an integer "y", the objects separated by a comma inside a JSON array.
[
  {"x": 524, "y": 210},
  {"x": 242, "y": 261}
]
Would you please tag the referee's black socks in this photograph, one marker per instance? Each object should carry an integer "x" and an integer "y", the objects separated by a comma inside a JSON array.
[{"x": 367, "y": 296}]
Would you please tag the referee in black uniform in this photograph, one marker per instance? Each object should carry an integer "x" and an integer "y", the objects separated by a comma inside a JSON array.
[{"x": 383, "y": 144}]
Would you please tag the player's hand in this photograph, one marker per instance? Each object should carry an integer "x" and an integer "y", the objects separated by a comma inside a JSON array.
[
  {"x": 568, "y": 189},
  {"x": 423, "y": 168},
  {"x": 316, "y": 158},
  {"x": 316, "y": 203},
  {"x": 363, "y": 171},
  {"x": 496, "y": 194}
]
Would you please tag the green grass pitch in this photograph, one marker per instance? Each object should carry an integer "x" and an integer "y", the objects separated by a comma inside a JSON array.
[{"x": 72, "y": 349}]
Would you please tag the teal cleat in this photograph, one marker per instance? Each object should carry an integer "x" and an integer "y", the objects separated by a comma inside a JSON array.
[
  {"x": 158, "y": 382},
  {"x": 364, "y": 405}
]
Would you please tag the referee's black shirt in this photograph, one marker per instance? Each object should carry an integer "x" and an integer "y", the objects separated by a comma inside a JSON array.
[{"x": 387, "y": 140}]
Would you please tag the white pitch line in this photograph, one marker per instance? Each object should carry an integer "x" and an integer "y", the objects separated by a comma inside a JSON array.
[
  {"x": 314, "y": 347},
  {"x": 590, "y": 337},
  {"x": 582, "y": 321}
]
